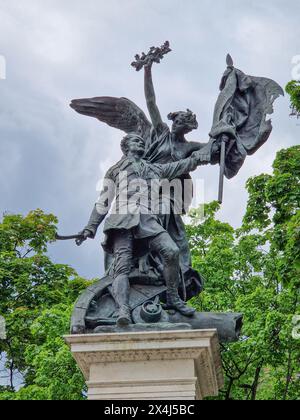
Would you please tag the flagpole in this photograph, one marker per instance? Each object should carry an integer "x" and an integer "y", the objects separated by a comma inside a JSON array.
[{"x": 222, "y": 169}]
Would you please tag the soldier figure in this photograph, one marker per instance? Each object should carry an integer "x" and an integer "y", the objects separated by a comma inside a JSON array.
[{"x": 123, "y": 228}]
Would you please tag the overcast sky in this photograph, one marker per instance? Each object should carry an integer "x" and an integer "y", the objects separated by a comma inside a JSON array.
[{"x": 56, "y": 50}]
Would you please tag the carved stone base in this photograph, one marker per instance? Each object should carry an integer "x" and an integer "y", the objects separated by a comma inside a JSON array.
[
  {"x": 164, "y": 326},
  {"x": 156, "y": 365}
]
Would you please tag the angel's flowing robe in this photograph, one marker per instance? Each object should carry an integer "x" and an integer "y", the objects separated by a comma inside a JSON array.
[{"x": 160, "y": 149}]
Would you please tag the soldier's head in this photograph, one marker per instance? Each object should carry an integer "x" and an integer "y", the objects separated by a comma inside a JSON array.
[
  {"x": 183, "y": 122},
  {"x": 133, "y": 144}
]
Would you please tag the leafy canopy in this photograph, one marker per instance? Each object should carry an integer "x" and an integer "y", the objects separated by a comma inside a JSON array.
[
  {"x": 293, "y": 89},
  {"x": 254, "y": 270},
  {"x": 37, "y": 296}
]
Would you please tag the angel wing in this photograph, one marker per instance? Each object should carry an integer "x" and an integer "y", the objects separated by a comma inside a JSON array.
[{"x": 118, "y": 113}]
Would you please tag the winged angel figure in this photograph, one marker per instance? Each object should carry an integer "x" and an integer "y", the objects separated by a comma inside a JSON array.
[{"x": 239, "y": 129}]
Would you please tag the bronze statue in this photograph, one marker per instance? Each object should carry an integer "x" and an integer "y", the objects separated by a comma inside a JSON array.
[
  {"x": 145, "y": 270},
  {"x": 139, "y": 223}
]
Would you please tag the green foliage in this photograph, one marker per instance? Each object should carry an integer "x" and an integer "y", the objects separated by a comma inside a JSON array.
[
  {"x": 256, "y": 270},
  {"x": 293, "y": 89},
  {"x": 36, "y": 300}
]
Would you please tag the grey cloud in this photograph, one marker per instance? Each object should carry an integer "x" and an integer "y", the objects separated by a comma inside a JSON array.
[{"x": 52, "y": 158}]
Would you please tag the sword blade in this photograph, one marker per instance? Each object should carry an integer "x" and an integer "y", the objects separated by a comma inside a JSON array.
[{"x": 67, "y": 238}]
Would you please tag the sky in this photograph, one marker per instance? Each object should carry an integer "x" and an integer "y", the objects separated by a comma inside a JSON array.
[{"x": 58, "y": 50}]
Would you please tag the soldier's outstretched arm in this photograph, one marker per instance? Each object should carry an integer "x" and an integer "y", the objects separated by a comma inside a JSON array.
[{"x": 184, "y": 166}]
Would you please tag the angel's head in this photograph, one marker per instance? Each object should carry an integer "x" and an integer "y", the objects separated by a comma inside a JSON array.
[
  {"x": 133, "y": 144},
  {"x": 183, "y": 122}
]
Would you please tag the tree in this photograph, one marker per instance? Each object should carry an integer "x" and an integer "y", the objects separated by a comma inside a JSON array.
[
  {"x": 256, "y": 270},
  {"x": 36, "y": 301},
  {"x": 293, "y": 89}
]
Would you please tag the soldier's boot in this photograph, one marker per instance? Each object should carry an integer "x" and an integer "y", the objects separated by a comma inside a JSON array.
[
  {"x": 124, "y": 317},
  {"x": 120, "y": 292},
  {"x": 171, "y": 274},
  {"x": 174, "y": 302}
]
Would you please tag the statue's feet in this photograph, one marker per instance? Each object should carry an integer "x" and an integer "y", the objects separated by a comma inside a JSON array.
[
  {"x": 180, "y": 306},
  {"x": 124, "y": 317}
]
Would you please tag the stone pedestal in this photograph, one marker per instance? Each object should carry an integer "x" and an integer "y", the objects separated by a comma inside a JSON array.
[{"x": 164, "y": 365}]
